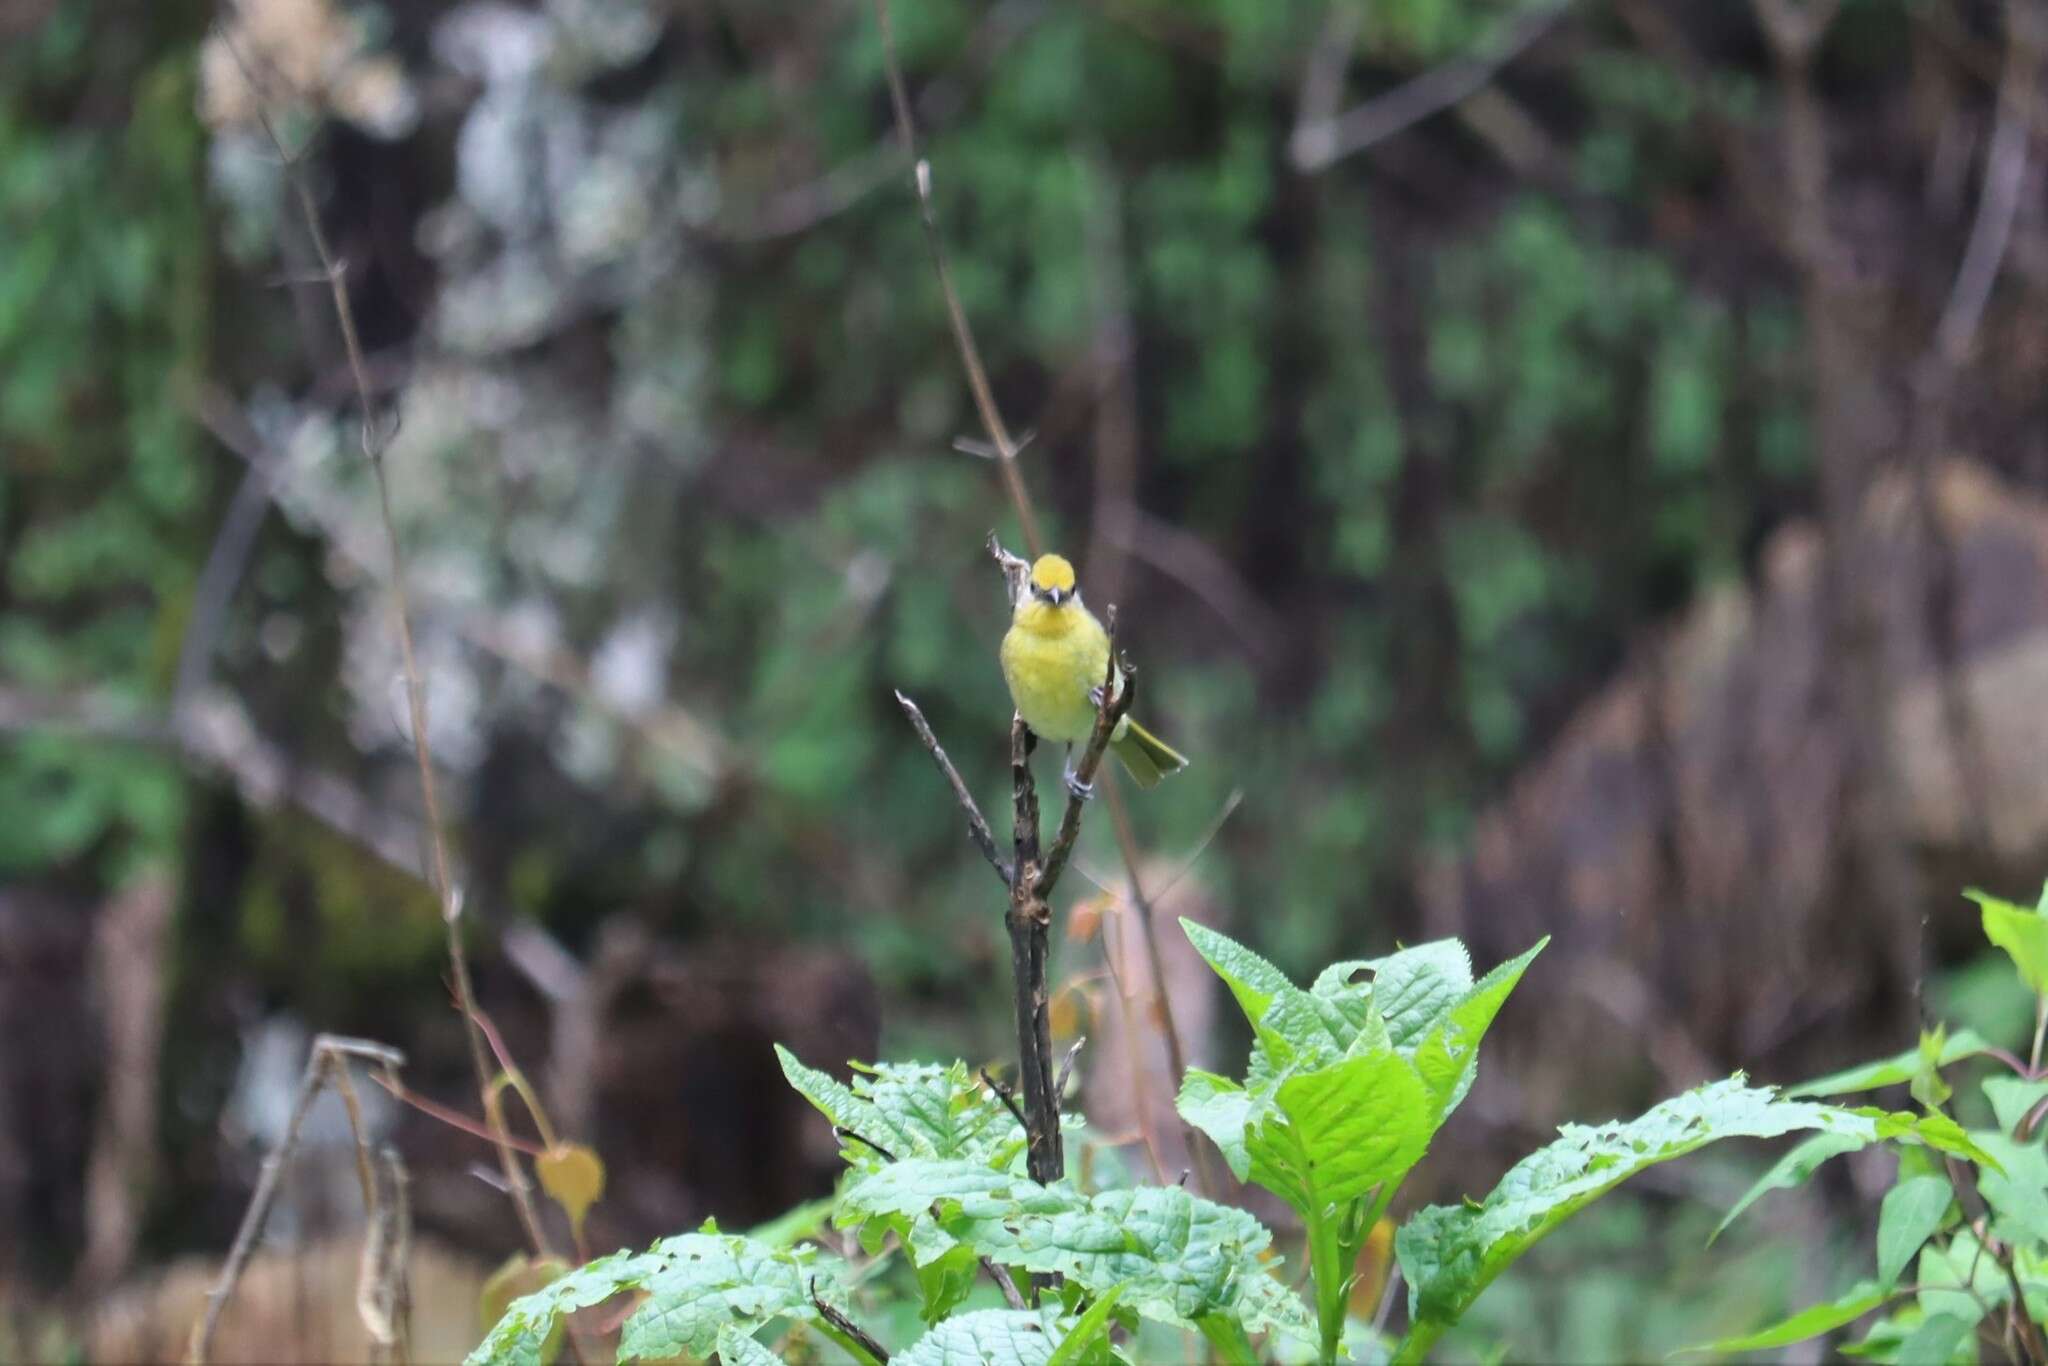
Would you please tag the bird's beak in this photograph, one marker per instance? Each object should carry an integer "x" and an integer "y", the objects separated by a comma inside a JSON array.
[{"x": 1055, "y": 596}]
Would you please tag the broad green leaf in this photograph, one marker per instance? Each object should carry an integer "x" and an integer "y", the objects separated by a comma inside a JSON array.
[
  {"x": 1791, "y": 1170},
  {"x": 2022, "y": 933},
  {"x": 1331, "y": 1135},
  {"x": 1416, "y": 987},
  {"x": 520, "y": 1274},
  {"x": 911, "y": 1109},
  {"x": 1251, "y": 979},
  {"x": 1911, "y": 1213},
  {"x": 987, "y": 1337},
  {"x": 2011, "y": 1098},
  {"x": 1449, "y": 1255},
  {"x": 945, "y": 1281},
  {"x": 695, "y": 1285},
  {"x": 2018, "y": 1194},
  {"x": 1807, "y": 1323},
  {"x": 1890, "y": 1071},
  {"x": 708, "y": 1281},
  {"x": 736, "y": 1348},
  {"x": 1935, "y": 1131},
  {"x": 1934, "y": 1341},
  {"x": 1448, "y": 1056},
  {"x": 1174, "y": 1257},
  {"x": 1959, "y": 1278},
  {"x": 1220, "y": 1108}
]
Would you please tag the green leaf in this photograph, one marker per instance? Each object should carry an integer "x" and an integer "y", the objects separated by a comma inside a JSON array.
[
  {"x": 2022, "y": 933},
  {"x": 1961, "y": 1278},
  {"x": 1911, "y": 1213},
  {"x": 1220, "y": 1108},
  {"x": 1448, "y": 1056},
  {"x": 1450, "y": 1255},
  {"x": 695, "y": 1286},
  {"x": 2018, "y": 1194},
  {"x": 1791, "y": 1170},
  {"x": 1810, "y": 1322},
  {"x": 1890, "y": 1071},
  {"x": 1417, "y": 987},
  {"x": 1091, "y": 1327},
  {"x": 736, "y": 1348},
  {"x": 1331, "y": 1135},
  {"x": 912, "y": 1110},
  {"x": 945, "y": 1281},
  {"x": 2011, "y": 1098},
  {"x": 987, "y": 1337},
  {"x": 1934, "y": 1341},
  {"x": 1173, "y": 1257},
  {"x": 1251, "y": 979}
]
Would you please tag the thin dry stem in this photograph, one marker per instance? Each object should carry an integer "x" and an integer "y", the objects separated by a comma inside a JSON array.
[
  {"x": 373, "y": 443},
  {"x": 963, "y": 335},
  {"x": 329, "y": 1055},
  {"x": 977, "y": 824}
]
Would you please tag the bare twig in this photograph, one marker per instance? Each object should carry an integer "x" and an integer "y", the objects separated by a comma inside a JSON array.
[
  {"x": 847, "y": 1326},
  {"x": 843, "y": 1133},
  {"x": 963, "y": 335},
  {"x": 1029, "y": 921},
  {"x": 977, "y": 824},
  {"x": 374, "y": 441},
  {"x": 1007, "y": 1096},
  {"x": 384, "y": 1279},
  {"x": 1067, "y": 1064},
  {"x": 330, "y": 1054},
  {"x": 1317, "y": 143},
  {"x": 1001, "y": 1276}
]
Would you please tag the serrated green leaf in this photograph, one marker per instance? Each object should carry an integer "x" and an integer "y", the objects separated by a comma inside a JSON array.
[
  {"x": 696, "y": 1285},
  {"x": 1331, "y": 1135},
  {"x": 1933, "y": 1342},
  {"x": 1449, "y": 1254},
  {"x": 1251, "y": 979},
  {"x": 736, "y": 1348},
  {"x": 709, "y": 1281},
  {"x": 1908, "y": 1217},
  {"x": 1447, "y": 1058},
  {"x": 987, "y": 1337},
  {"x": 945, "y": 1281},
  {"x": 1885, "y": 1072},
  {"x": 1810, "y": 1322},
  {"x": 1790, "y": 1171},
  {"x": 1416, "y": 987},
  {"x": 1176, "y": 1256},
  {"x": 1220, "y": 1108},
  {"x": 2021, "y": 932},
  {"x": 914, "y": 1110}
]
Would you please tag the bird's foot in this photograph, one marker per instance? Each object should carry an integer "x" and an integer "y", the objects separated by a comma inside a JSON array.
[
  {"x": 1095, "y": 694},
  {"x": 1077, "y": 789}
]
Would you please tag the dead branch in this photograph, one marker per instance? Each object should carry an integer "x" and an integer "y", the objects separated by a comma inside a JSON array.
[{"x": 977, "y": 824}]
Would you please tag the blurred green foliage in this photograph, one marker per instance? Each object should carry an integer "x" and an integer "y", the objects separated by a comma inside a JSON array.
[{"x": 103, "y": 330}]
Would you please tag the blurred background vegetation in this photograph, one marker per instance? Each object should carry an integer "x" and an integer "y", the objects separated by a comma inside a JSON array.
[{"x": 1429, "y": 382}]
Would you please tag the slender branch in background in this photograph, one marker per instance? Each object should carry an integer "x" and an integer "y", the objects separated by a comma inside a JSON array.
[
  {"x": 329, "y": 1053},
  {"x": 1318, "y": 142},
  {"x": 977, "y": 824},
  {"x": 374, "y": 441},
  {"x": 963, "y": 335},
  {"x": 384, "y": 1278},
  {"x": 1934, "y": 386}
]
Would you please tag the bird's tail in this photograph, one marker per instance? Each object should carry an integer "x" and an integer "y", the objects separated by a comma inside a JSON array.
[{"x": 1145, "y": 756}]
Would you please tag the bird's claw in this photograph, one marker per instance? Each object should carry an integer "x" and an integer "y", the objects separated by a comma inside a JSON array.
[
  {"x": 1079, "y": 790},
  {"x": 1095, "y": 694}
]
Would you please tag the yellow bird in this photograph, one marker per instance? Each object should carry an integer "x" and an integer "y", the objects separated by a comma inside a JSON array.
[{"x": 1055, "y": 657}]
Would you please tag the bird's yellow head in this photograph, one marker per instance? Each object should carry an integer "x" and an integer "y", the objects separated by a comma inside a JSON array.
[{"x": 1052, "y": 580}]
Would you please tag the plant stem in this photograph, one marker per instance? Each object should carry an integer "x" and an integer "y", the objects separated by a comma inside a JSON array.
[{"x": 1030, "y": 923}]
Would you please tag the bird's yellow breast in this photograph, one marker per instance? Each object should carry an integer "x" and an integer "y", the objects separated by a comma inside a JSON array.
[{"x": 1052, "y": 657}]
